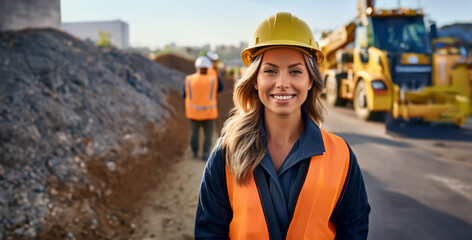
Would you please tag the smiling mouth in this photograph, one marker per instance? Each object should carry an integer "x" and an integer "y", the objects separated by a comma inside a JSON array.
[{"x": 283, "y": 97}]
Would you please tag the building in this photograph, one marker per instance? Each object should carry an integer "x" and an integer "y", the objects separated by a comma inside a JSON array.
[{"x": 90, "y": 31}]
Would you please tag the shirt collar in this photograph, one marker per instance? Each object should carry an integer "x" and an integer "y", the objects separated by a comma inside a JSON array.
[{"x": 310, "y": 142}]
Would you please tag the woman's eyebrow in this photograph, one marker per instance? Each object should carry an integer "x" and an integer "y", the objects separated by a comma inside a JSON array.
[
  {"x": 290, "y": 66},
  {"x": 271, "y": 64},
  {"x": 294, "y": 65}
]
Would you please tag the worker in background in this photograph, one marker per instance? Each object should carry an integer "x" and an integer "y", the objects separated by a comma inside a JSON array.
[
  {"x": 213, "y": 56},
  {"x": 274, "y": 173},
  {"x": 200, "y": 94}
]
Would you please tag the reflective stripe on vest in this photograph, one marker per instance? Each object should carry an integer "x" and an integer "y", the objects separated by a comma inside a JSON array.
[
  {"x": 213, "y": 72},
  {"x": 189, "y": 84},
  {"x": 200, "y": 97},
  {"x": 212, "y": 87},
  {"x": 317, "y": 199},
  {"x": 202, "y": 108}
]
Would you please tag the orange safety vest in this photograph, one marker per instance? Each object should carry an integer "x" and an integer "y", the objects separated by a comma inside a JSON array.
[
  {"x": 200, "y": 97},
  {"x": 212, "y": 72},
  {"x": 318, "y": 197}
]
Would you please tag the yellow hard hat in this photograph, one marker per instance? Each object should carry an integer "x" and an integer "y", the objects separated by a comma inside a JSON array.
[{"x": 282, "y": 29}]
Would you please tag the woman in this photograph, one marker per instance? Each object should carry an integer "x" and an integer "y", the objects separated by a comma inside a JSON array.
[{"x": 274, "y": 174}]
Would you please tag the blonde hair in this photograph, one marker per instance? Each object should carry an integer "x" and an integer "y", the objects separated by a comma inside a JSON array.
[{"x": 240, "y": 139}]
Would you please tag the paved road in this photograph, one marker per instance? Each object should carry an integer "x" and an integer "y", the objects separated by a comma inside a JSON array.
[{"x": 418, "y": 177}]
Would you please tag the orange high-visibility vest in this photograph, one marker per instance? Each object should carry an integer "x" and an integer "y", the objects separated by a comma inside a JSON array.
[
  {"x": 200, "y": 97},
  {"x": 318, "y": 197},
  {"x": 212, "y": 71}
]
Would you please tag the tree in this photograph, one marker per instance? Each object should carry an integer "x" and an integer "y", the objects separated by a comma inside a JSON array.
[{"x": 103, "y": 39}]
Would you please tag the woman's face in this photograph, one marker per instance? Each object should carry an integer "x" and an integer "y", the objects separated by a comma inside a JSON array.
[{"x": 283, "y": 81}]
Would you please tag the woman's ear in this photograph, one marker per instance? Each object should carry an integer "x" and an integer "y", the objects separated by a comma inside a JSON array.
[
  {"x": 310, "y": 85},
  {"x": 255, "y": 87}
]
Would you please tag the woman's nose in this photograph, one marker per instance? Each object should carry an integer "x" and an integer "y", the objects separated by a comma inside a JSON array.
[{"x": 283, "y": 81}]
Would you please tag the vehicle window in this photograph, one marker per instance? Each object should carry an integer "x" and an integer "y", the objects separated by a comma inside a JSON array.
[{"x": 405, "y": 34}]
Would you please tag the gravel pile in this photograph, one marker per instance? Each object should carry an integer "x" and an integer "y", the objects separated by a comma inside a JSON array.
[{"x": 63, "y": 104}]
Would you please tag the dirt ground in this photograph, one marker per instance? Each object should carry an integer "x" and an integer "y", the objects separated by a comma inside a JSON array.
[{"x": 169, "y": 210}]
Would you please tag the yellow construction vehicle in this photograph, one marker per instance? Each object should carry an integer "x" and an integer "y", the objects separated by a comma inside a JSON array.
[
  {"x": 382, "y": 61},
  {"x": 449, "y": 54}
]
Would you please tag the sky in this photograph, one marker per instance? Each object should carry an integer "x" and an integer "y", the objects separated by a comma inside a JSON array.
[{"x": 155, "y": 23}]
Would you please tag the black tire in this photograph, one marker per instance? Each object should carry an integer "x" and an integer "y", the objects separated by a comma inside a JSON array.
[
  {"x": 360, "y": 104},
  {"x": 332, "y": 92}
]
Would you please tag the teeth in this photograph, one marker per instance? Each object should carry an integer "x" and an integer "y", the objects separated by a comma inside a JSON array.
[{"x": 285, "y": 97}]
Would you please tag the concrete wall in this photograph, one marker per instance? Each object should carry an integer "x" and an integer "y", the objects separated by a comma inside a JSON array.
[
  {"x": 20, "y": 14},
  {"x": 89, "y": 31}
]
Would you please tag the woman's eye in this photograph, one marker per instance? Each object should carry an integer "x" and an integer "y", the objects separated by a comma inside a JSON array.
[
  {"x": 270, "y": 71},
  {"x": 296, "y": 72}
]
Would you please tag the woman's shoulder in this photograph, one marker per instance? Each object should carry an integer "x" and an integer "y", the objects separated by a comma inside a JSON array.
[
  {"x": 330, "y": 135},
  {"x": 216, "y": 159},
  {"x": 332, "y": 139},
  {"x": 214, "y": 172}
]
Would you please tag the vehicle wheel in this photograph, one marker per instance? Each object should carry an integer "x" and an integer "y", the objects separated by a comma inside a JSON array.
[
  {"x": 360, "y": 104},
  {"x": 332, "y": 92}
]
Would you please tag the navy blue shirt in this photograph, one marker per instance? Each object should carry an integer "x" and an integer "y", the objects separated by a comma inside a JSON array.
[{"x": 214, "y": 213}]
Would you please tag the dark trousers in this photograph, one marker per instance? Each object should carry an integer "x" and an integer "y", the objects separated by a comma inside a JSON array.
[{"x": 208, "y": 132}]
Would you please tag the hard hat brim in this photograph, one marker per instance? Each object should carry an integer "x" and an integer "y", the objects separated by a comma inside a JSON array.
[{"x": 248, "y": 54}]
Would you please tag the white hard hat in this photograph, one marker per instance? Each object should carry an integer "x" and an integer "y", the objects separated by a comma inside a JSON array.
[
  {"x": 213, "y": 56},
  {"x": 203, "y": 62}
]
